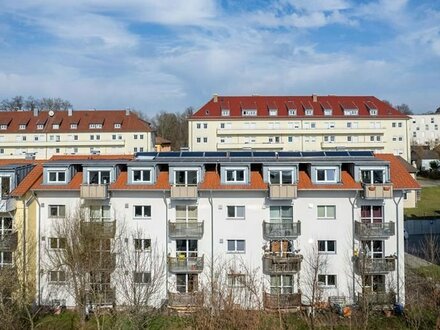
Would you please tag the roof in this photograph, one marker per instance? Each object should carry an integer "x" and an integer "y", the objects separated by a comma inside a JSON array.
[
  {"x": 28, "y": 181},
  {"x": 129, "y": 121},
  {"x": 408, "y": 166},
  {"x": 400, "y": 177},
  {"x": 212, "y": 109},
  {"x": 161, "y": 140}
]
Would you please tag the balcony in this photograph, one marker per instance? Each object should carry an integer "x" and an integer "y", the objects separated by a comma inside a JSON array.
[
  {"x": 185, "y": 300},
  {"x": 282, "y": 300},
  {"x": 282, "y": 230},
  {"x": 8, "y": 241},
  {"x": 8, "y": 204},
  {"x": 185, "y": 230},
  {"x": 285, "y": 263},
  {"x": 99, "y": 229},
  {"x": 185, "y": 265},
  {"x": 94, "y": 191},
  {"x": 101, "y": 294},
  {"x": 184, "y": 192},
  {"x": 284, "y": 191},
  {"x": 365, "y": 266},
  {"x": 381, "y": 230},
  {"x": 101, "y": 261},
  {"x": 378, "y": 191},
  {"x": 376, "y": 298}
]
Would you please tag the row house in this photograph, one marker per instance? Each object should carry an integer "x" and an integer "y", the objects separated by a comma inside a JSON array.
[
  {"x": 174, "y": 227},
  {"x": 42, "y": 134},
  {"x": 299, "y": 123}
]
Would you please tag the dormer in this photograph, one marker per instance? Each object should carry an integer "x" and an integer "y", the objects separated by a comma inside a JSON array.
[
  {"x": 56, "y": 123},
  {"x": 349, "y": 108},
  {"x": 57, "y": 175},
  {"x": 372, "y": 109},
  {"x": 282, "y": 180},
  {"x": 238, "y": 174},
  {"x": 272, "y": 109},
  {"x": 96, "y": 123},
  {"x": 291, "y": 108},
  {"x": 96, "y": 179},
  {"x": 184, "y": 181},
  {"x": 325, "y": 173},
  {"x": 141, "y": 174},
  {"x": 308, "y": 109},
  {"x": 326, "y": 108},
  {"x": 74, "y": 124},
  {"x": 10, "y": 178},
  {"x": 41, "y": 123},
  {"x": 23, "y": 125},
  {"x": 4, "y": 123},
  {"x": 225, "y": 109},
  {"x": 375, "y": 180}
]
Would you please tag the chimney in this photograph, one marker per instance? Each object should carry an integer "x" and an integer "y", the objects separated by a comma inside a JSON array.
[
  {"x": 69, "y": 112},
  {"x": 215, "y": 98},
  {"x": 35, "y": 112},
  {"x": 127, "y": 111},
  {"x": 314, "y": 98}
]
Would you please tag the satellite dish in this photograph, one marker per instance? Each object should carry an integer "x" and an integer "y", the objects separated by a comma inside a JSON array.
[{"x": 51, "y": 113}]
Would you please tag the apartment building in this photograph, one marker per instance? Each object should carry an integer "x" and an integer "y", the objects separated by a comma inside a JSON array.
[
  {"x": 47, "y": 133},
  {"x": 424, "y": 130},
  {"x": 190, "y": 222},
  {"x": 299, "y": 123}
]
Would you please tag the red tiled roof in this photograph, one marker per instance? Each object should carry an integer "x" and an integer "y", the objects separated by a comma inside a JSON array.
[
  {"x": 235, "y": 104},
  {"x": 74, "y": 184},
  {"x": 162, "y": 183},
  {"x": 347, "y": 183},
  {"x": 212, "y": 181},
  {"x": 400, "y": 177},
  {"x": 29, "y": 180},
  {"x": 129, "y": 123}
]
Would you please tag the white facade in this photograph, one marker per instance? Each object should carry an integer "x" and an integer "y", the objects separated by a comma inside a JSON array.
[
  {"x": 424, "y": 130},
  {"x": 235, "y": 241}
]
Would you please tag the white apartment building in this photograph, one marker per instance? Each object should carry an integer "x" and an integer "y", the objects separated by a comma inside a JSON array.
[
  {"x": 299, "y": 123},
  {"x": 424, "y": 130},
  {"x": 47, "y": 133},
  {"x": 226, "y": 218}
]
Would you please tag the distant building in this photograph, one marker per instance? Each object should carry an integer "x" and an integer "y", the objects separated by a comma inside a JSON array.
[
  {"x": 162, "y": 144},
  {"x": 299, "y": 123},
  {"x": 423, "y": 157},
  {"x": 47, "y": 133},
  {"x": 424, "y": 130}
]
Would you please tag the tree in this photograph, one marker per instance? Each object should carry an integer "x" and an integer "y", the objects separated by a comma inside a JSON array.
[
  {"x": 42, "y": 104},
  {"x": 404, "y": 108}
]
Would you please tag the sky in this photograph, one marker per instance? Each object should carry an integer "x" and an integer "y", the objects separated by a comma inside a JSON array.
[{"x": 168, "y": 55}]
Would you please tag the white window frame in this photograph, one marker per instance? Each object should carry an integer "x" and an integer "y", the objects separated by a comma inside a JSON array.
[
  {"x": 99, "y": 170},
  {"x": 308, "y": 112},
  {"x": 142, "y": 179},
  {"x": 325, "y": 244},
  {"x": 326, "y": 213},
  {"x": 117, "y": 125},
  {"x": 236, "y": 280},
  {"x": 235, "y": 247},
  {"x": 145, "y": 278},
  {"x": 273, "y": 112},
  {"x": 226, "y": 112},
  {"x": 351, "y": 112},
  {"x": 58, "y": 242},
  {"x": 234, "y": 175},
  {"x": 328, "y": 112},
  {"x": 60, "y": 211},
  {"x": 326, "y": 179},
  {"x": 373, "y": 112},
  {"x": 142, "y": 244},
  {"x": 73, "y": 126},
  {"x": 186, "y": 170},
  {"x": 280, "y": 173},
  {"x": 249, "y": 112},
  {"x": 22, "y": 126},
  {"x": 292, "y": 112},
  {"x": 57, "y": 173},
  {"x": 145, "y": 211},
  {"x": 325, "y": 283},
  {"x": 236, "y": 210},
  {"x": 58, "y": 278}
]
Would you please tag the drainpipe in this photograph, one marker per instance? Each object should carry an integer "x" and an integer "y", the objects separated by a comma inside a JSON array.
[
  {"x": 212, "y": 243},
  {"x": 24, "y": 248},
  {"x": 166, "y": 240},
  {"x": 39, "y": 249},
  {"x": 352, "y": 241},
  {"x": 398, "y": 246}
]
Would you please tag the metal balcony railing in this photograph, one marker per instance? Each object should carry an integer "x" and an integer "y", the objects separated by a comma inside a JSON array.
[
  {"x": 185, "y": 265},
  {"x": 185, "y": 300},
  {"x": 374, "y": 230},
  {"x": 184, "y": 192},
  {"x": 283, "y": 191},
  {"x": 376, "y": 298},
  {"x": 282, "y": 300},
  {"x": 99, "y": 229},
  {"x": 283, "y": 263},
  {"x": 378, "y": 190},
  {"x": 185, "y": 230},
  {"x": 366, "y": 265},
  {"x": 281, "y": 230},
  {"x": 94, "y": 191},
  {"x": 8, "y": 241}
]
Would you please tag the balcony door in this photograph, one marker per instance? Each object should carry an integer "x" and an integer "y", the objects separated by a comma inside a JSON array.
[
  {"x": 100, "y": 213},
  {"x": 6, "y": 186},
  {"x": 374, "y": 283},
  {"x": 281, "y": 284},
  {"x": 372, "y": 176},
  {"x": 186, "y": 248},
  {"x": 280, "y": 248},
  {"x": 371, "y": 214},
  {"x": 373, "y": 249},
  {"x": 186, "y": 283},
  {"x": 185, "y": 178},
  {"x": 99, "y": 177},
  {"x": 186, "y": 213}
]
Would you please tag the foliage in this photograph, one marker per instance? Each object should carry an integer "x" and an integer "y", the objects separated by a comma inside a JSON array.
[
  {"x": 29, "y": 104},
  {"x": 428, "y": 205},
  {"x": 404, "y": 108}
]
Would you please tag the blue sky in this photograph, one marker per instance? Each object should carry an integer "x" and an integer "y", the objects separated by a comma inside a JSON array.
[{"x": 167, "y": 55}]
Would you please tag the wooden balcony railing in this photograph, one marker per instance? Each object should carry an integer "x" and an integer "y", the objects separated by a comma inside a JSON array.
[
  {"x": 379, "y": 230},
  {"x": 378, "y": 191},
  {"x": 282, "y": 300},
  {"x": 188, "y": 265},
  {"x": 182, "y": 300},
  {"x": 282, "y": 230},
  {"x": 185, "y": 230},
  {"x": 94, "y": 191},
  {"x": 283, "y": 191},
  {"x": 284, "y": 263},
  {"x": 184, "y": 192}
]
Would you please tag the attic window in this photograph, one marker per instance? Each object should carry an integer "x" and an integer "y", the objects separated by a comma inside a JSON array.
[
  {"x": 3, "y": 126},
  {"x": 249, "y": 112},
  {"x": 56, "y": 126},
  {"x": 207, "y": 112},
  {"x": 351, "y": 112},
  {"x": 22, "y": 126},
  {"x": 308, "y": 112},
  {"x": 373, "y": 112},
  {"x": 73, "y": 126},
  {"x": 328, "y": 112},
  {"x": 117, "y": 125},
  {"x": 40, "y": 126},
  {"x": 225, "y": 112},
  {"x": 292, "y": 112},
  {"x": 273, "y": 112},
  {"x": 99, "y": 126}
]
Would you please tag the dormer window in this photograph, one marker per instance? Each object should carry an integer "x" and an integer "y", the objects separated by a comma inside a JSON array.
[
  {"x": 351, "y": 112},
  {"x": 95, "y": 126},
  {"x": 22, "y": 126},
  {"x": 98, "y": 177},
  {"x": 234, "y": 175},
  {"x": 328, "y": 112},
  {"x": 326, "y": 174},
  {"x": 56, "y": 126},
  {"x": 273, "y": 112},
  {"x": 40, "y": 126},
  {"x": 292, "y": 112},
  {"x": 281, "y": 176},
  {"x": 141, "y": 176},
  {"x": 308, "y": 112},
  {"x": 372, "y": 176},
  {"x": 373, "y": 112},
  {"x": 73, "y": 126},
  {"x": 117, "y": 125},
  {"x": 249, "y": 112},
  {"x": 56, "y": 176},
  {"x": 3, "y": 127},
  {"x": 185, "y": 177},
  {"x": 225, "y": 113}
]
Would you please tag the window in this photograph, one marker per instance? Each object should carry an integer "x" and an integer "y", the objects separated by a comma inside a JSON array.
[
  {"x": 95, "y": 125},
  {"x": 140, "y": 176},
  {"x": 327, "y": 112},
  {"x": 73, "y": 126},
  {"x": 399, "y": 124},
  {"x": 372, "y": 176},
  {"x": 57, "y": 211},
  {"x": 117, "y": 125},
  {"x": 205, "y": 140},
  {"x": 280, "y": 284},
  {"x": 236, "y": 245},
  {"x": 141, "y": 136},
  {"x": 22, "y": 126},
  {"x": 309, "y": 112},
  {"x": 199, "y": 125},
  {"x": 142, "y": 211},
  {"x": 248, "y": 112},
  {"x": 290, "y": 139},
  {"x": 274, "y": 139},
  {"x": 326, "y": 175},
  {"x": 280, "y": 214},
  {"x": 371, "y": 214},
  {"x": 352, "y": 124},
  {"x": 185, "y": 177},
  {"x": 281, "y": 177},
  {"x": 57, "y": 276},
  {"x": 235, "y": 212},
  {"x": 55, "y": 126},
  {"x": 3, "y": 127},
  {"x": 351, "y": 112},
  {"x": 329, "y": 138},
  {"x": 327, "y": 247},
  {"x": 373, "y": 112},
  {"x": 236, "y": 280},
  {"x": 99, "y": 177},
  {"x": 135, "y": 149},
  {"x": 225, "y": 112},
  {"x": 235, "y": 175},
  {"x": 327, "y": 280},
  {"x": 100, "y": 212},
  {"x": 56, "y": 176},
  {"x": 199, "y": 140},
  {"x": 40, "y": 126},
  {"x": 57, "y": 243},
  {"x": 273, "y": 112},
  {"x": 292, "y": 112},
  {"x": 142, "y": 277},
  {"x": 326, "y": 211},
  {"x": 142, "y": 244},
  {"x": 205, "y": 125}
]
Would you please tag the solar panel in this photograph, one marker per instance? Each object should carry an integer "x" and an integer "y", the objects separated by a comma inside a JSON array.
[
  {"x": 215, "y": 154},
  {"x": 336, "y": 153},
  {"x": 240, "y": 154},
  {"x": 289, "y": 154},
  {"x": 361, "y": 153},
  {"x": 148, "y": 154},
  {"x": 167, "y": 154},
  {"x": 192, "y": 154},
  {"x": 313, "y": 154},
  {"x": 264, "y": 154}
]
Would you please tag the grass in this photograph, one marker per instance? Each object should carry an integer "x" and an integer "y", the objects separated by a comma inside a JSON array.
[
  {"x": 432, "y": 272},
  {"x": 428, "y": 206}
]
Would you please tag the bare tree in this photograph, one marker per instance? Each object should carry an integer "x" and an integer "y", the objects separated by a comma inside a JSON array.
[
  {"x": 29, "y": 104},
  {"x": 404, "y": 108}
]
